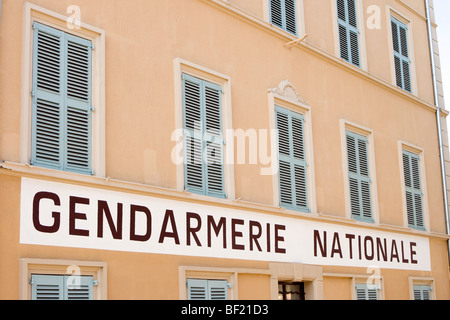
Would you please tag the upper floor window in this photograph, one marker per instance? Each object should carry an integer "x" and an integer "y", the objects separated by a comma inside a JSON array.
[
  {"x": 366, "y": 292},
  {"x": 61, "y": 101},
  {"x": 292, "y": 160},
  {"x": 203, "y": 141},
  {"x": 283, "y": 14},
  {"x": 413, "y": 189},
  {"x": 348, "y": 31},
  {"x": 402, "y": 62},
  {"x": 359, "y": 177}
]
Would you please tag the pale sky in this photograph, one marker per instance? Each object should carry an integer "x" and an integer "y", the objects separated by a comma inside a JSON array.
[{"x": 442, "y": 12}]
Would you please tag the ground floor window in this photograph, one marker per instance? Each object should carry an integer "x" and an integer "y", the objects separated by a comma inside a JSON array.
[
  {"x": 61, "y": 287},
  {"x": 200, "y": 289},
  {"x": 291, "y": 291}
]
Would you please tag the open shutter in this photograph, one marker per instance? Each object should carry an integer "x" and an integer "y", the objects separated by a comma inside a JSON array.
[
  {"x": 61, "y": 116},
  {"x": 359, "y": 177},
  {"x": 413, "y": 188},
  {"x": 348, "y": 31},
  {"x": 366, "y": 292},
  {"x": 292, "y": 160},
  {"x": 283, "y": 15},
  {"x": 401, "y": 54},
  {"x": 47, "y": 287},
  {"x": 204, "y": 168}
]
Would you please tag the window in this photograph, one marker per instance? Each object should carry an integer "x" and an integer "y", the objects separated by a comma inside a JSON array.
[
  {"x": 359, "y": 177},
  {"x": 291, "y": 291},
  {"x": 283, "y": 15},
  {"x": 366, "y": 292},
  {"x": 59, "y": 287},
  {"x": 203, "y": 141},
  {"x": 199, "y": 289},
  {"x": 401, "y": 55},
  {"x": 413, "y": 188},
  {"x": 348, "y": 31},
  {"x": 292, "y": 160},
  {"x": 422, "y": 292},
  {"x": 61, "y": 101}
]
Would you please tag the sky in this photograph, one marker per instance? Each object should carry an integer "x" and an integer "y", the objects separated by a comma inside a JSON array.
[{"x": 442, "y": 11}]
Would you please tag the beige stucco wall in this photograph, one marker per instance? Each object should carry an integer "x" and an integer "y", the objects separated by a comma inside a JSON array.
[{"x": 142, "y": 42}]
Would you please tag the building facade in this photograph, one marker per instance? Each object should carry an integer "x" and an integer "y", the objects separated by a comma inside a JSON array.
[{"x": 209, "y": 149}]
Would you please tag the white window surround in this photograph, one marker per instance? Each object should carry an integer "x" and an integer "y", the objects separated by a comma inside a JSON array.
[
  {"x": 27, "y": 267},
  {"x": 301, "y": 29},
  {"x": 368, "y": 133},
  {"x": 182, "y": 66},
  {"x": 286, "y": 96},
  {"x": 391, "y": 12},
  {"x": 405, "y": 146},
  {"x": 32, "y": 13},
  {"x": 426, "y": 281},
  {"x": 362, "y": 33}
]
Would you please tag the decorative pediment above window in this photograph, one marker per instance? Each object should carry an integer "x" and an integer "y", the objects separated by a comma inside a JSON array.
[{"x": 288, "y": 90}]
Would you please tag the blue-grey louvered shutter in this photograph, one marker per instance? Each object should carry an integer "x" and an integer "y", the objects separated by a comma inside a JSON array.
[
  {"x": 61, "y": 115},
  {"x": 62, "y": 287},
  {"x": 422, "y": 292},
  {"x": 366, "y": 292},
  {"x": 348, "y": 31},
  {"x": 199, "y": 289},
  {"x": 359, "y": 177},
  {"x": 292, "y": 160},
  {"x": 203, "y": 142},
  {"x": 413, "y": 188},
  {"x": 47, "y": 287},
  {"x": 283, "y": 14},
  {"x": 401, "y": 54}
]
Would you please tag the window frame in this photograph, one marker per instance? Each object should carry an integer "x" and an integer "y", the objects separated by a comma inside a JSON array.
[
  {"x": 29, "y": 266},
  {"x": 182, "y": 66},
  {"x": 393, "y": 13},
  {"x": 286, "y": 96},
  {"x": 361, "y": 35},
  {"x": 419, "y": 152},
  {"x": 33, "y": 13},
  {"x": 347, "y": 126}
]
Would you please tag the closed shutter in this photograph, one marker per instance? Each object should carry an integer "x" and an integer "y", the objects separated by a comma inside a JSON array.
[
  {"x": 348, "y": 31},
  {"x": 401, "y": 55},
  {"x": 413, "y": 188},
  {"x": 292, "y": 160},
  {"x": 202, "y": 110},
  {"x": 283, "y": 15},
  {"x": 366, "y": 292},
  {"x": 61, "y": 116},
  {"x": 422, "y": 292},
  {"x": 359, "y": 177},
  {"x": 199, "y": 289},
  {"x": 59, "y": 287}
]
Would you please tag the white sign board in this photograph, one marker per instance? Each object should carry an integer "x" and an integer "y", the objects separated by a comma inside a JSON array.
[{"x": 55, "y": 214}]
